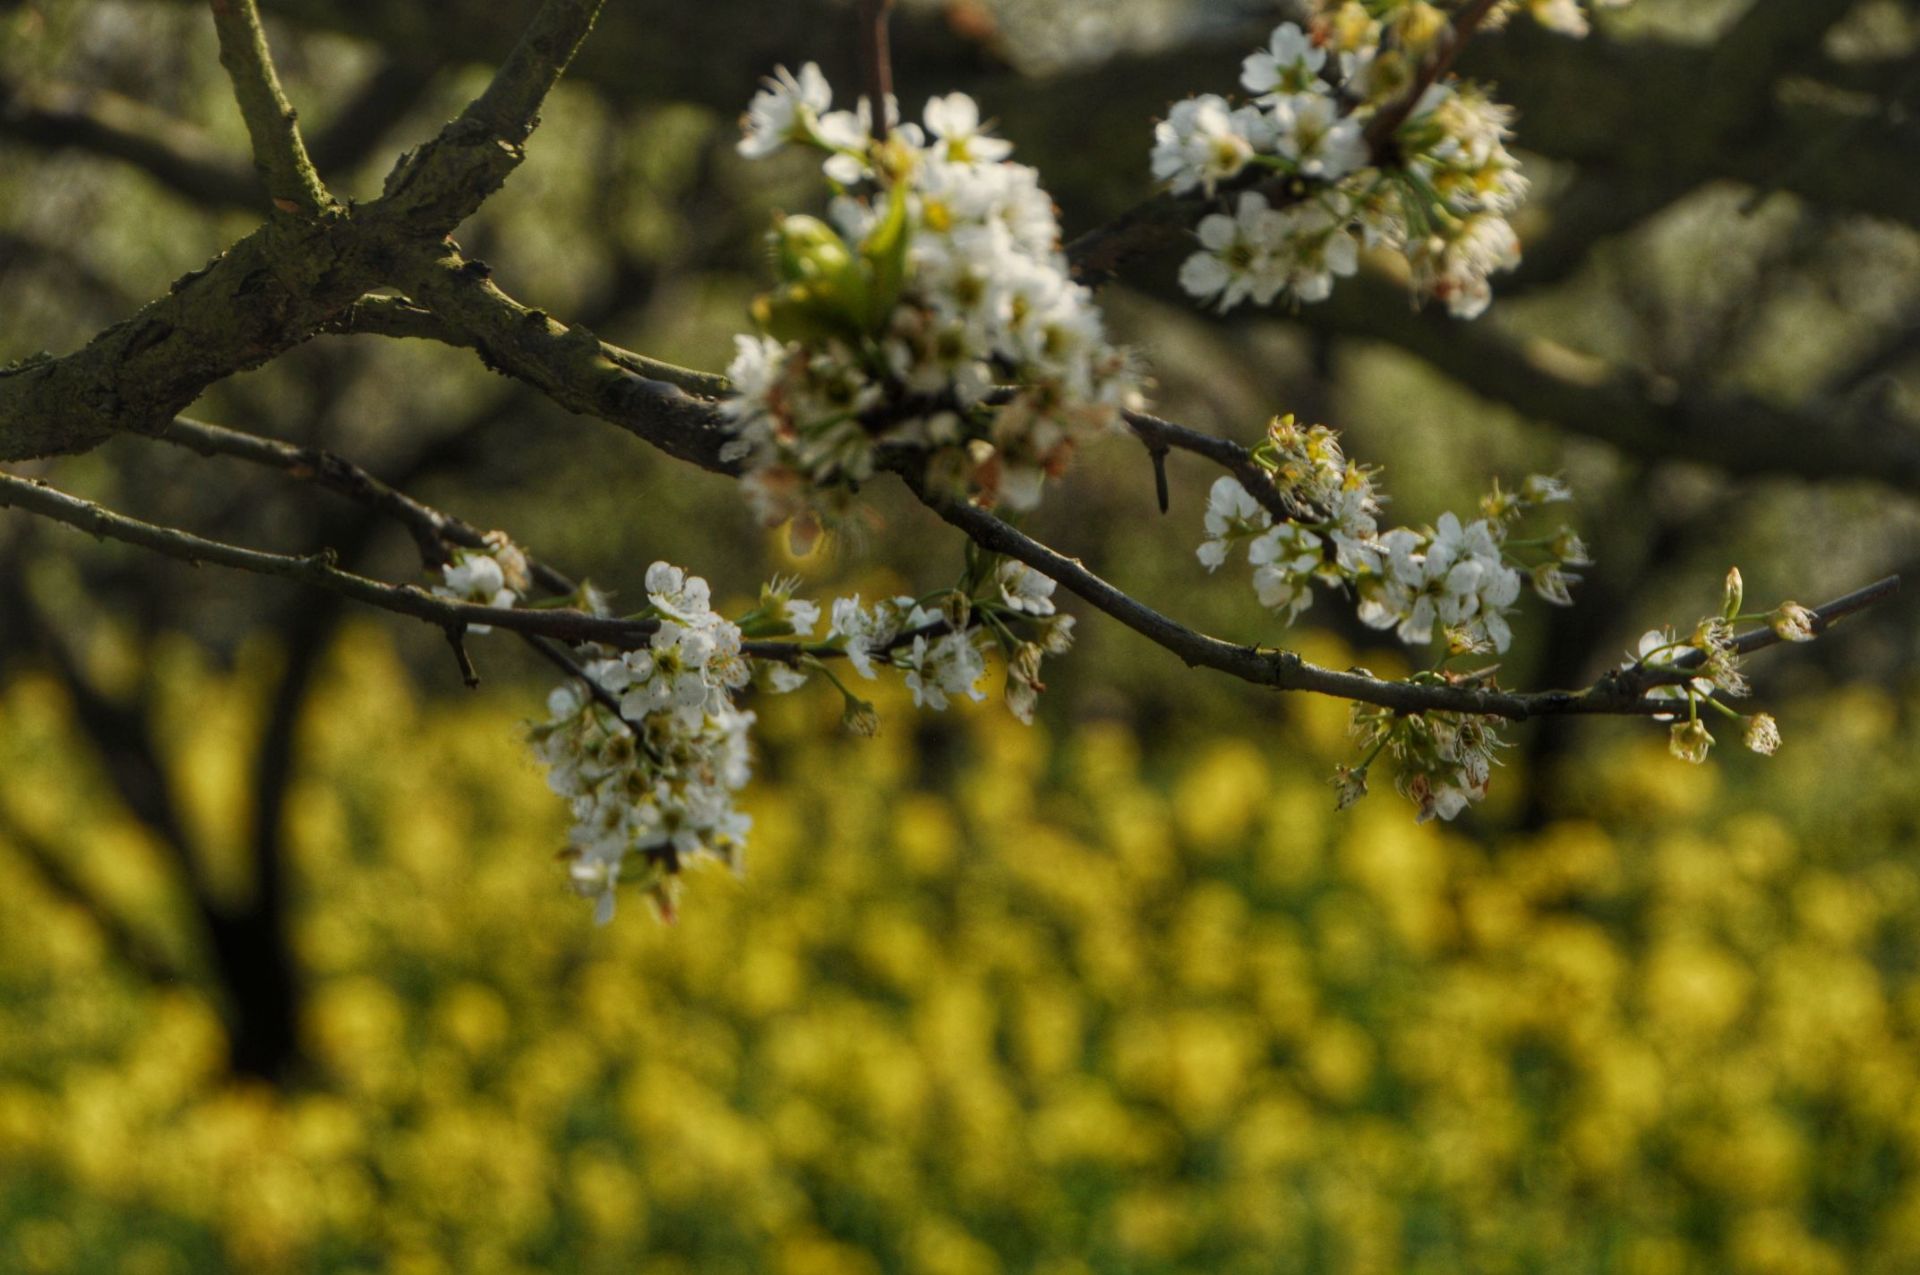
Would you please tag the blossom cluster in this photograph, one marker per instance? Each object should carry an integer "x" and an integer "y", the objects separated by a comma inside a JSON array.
[
  {"x": 931, "y": 310},
  {"x": 1435, "y": 186},
  {"x": 1458, "y": 579},
  {"x": 650, "y": 746},
  {"x": 1703, "y": 670},
  {"x": 649, "y": 757},
  {"x": 939, "y": 643},
  {"x": 1443, "y": 761}
]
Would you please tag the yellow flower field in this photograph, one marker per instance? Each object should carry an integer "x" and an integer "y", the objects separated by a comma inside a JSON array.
[{"x": 1009, "y": 1002}]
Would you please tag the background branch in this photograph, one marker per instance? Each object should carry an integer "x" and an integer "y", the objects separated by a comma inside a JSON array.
[{"x": 173, "y": 152}]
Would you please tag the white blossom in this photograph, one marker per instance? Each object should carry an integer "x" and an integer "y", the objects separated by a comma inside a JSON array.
[
  {"x": 1024, "y": 589},
  {"x": 496, "y": 576},
  {"x": 954, "y": 121},
  {"x": 1290, "y": 63},
  {"x": 947, "y": 665},
  {"x": 1439, "y": 192},
  {"x": 788, "y": 109},
  {"x": 1323, "y": 143},
  {"x": 1202, "y": 143},
  {"x": 1232, "y": 514},
  {"x": 1241, "y": 255}
]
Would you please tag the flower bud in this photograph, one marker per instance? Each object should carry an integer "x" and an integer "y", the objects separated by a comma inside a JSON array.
[
  {"x": 1551, "y": 583},
  {"x": 1349, "y": 786},
  {"x": 1570, "y": 549},
  {"x": 1544, "y": 489},
  {"x": 1735, "y": 593},
  {"x": 957, "y": 609},
  {"x": 1419, "y": 25},
  {"x": 860, "y": 717},
  {"x": 1689, "y": 741},
  {"x": 1793, "y": 622},
  {"x": 1056, "y": 634}
]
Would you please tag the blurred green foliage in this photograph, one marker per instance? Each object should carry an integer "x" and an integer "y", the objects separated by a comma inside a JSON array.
[{"x": 1045, "y": 1003}]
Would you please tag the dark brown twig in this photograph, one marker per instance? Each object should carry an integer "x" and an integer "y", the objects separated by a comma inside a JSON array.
[{"x": 876, "y": 61}]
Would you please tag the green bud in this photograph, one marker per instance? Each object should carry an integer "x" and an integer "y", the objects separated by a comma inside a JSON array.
[
  {"x": 1793, "y": 622},
  {"x": 826, "y": 291},
  {"x": 859, "y": 717}
]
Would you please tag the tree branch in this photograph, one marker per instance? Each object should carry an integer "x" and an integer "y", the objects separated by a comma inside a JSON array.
[
  {"x": 272, "y": 124},
  {"x": 1160, "y": 435},
  {"x": 573, "y": 367},
  {"x": 283, "y": 283},
  {"x": 445, "y": 181}
]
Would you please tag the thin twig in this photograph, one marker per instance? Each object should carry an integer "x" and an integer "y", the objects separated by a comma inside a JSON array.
[
  {"x": 430, "y": 528},
  {"x": 876, "y": 61},
  {"x": 566, "y": 624},
  {"x": 457, "y": 639},
  {"x": 1160, "y": 435}
]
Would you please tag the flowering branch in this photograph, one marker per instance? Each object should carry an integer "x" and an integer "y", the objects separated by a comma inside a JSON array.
[
  {"x": 1613, "y": 694},
  {"x": 433, "y": 531},
  {"x": 317, "y": 570},
  {"x": 931, "y": 325}
]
